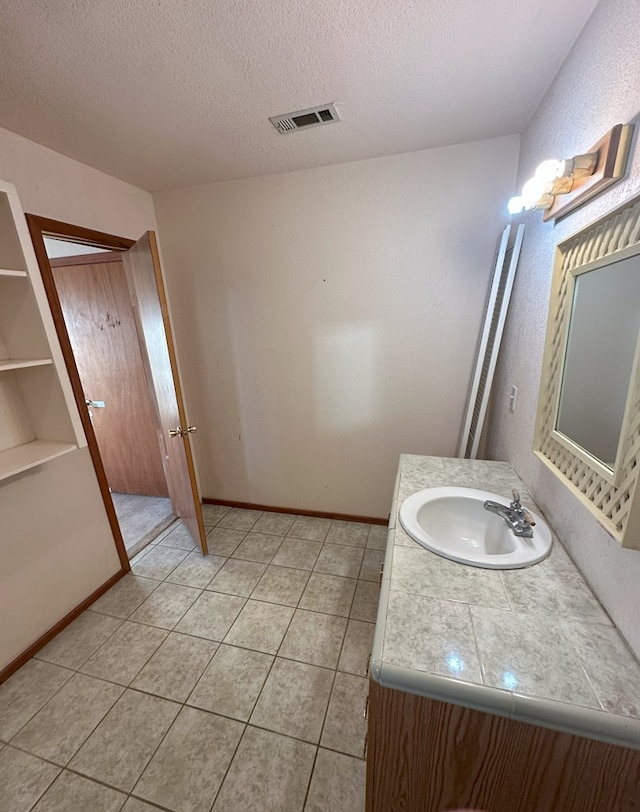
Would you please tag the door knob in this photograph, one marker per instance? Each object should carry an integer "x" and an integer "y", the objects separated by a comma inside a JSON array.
[{"x": 180, "y": 432}]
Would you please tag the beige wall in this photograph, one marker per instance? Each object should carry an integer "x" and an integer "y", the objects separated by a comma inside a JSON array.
[
  {"x": 56, "y": 546},
  {"x": 54, "y": 186},
  {"x": 598, "y": 86},
  {"x": 327, "y": 319}
]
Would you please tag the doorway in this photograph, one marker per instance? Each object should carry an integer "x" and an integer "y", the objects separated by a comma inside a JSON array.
[
  {"x": 110, "y": 311},
  {"x": 94, "y": 298}
]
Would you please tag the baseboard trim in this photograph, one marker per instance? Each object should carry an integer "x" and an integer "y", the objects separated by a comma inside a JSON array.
[
  {"x": 21, "y": 659},
  {"x": 319, "y": 514}
]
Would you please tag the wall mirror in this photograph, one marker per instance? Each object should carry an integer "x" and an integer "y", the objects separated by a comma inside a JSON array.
[{"x": 588, "y": 423}]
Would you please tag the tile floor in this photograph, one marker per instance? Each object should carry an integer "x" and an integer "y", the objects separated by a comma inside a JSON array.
[
  {"x": 229, "y": 683},
  {"x": 141, "y": 518}
]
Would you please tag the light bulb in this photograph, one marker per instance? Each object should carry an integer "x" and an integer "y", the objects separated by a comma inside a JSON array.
[
  {"x": 533, "y": 190},
  {"x": 549, "y": 170},
  {"x": 515, "y": 205},
  {"x": 544, "y": 202}
]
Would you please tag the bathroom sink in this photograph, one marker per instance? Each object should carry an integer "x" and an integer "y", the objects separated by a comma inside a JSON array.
[{"x": 453, "y": 523}]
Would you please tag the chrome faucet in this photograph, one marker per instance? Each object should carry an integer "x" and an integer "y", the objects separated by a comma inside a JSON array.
[{"x": 519, "y": 520}]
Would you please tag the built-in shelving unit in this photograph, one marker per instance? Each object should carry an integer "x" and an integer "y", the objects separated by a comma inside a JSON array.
[{"x": 38, "y": 416}]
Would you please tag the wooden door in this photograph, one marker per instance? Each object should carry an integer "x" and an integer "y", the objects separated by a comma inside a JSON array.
[
  {"x": 94, "y": 298},
  {"x": 148, "y": 298}
]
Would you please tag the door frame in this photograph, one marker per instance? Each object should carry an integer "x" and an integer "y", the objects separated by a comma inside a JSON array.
[{"x": 39, "y": 227}]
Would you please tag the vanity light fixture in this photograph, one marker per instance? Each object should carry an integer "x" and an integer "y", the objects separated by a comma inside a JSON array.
[{"x": 560, "y": 187}]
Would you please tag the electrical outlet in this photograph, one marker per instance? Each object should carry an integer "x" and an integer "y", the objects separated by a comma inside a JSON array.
[{"x": 512, "y": 398}]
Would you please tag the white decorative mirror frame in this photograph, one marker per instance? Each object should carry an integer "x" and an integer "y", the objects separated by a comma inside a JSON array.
[{"x": 612, "y": 494}]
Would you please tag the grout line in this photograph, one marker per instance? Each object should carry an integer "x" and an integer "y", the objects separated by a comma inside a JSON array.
[
  {"x": 244, "y": 530},
  {"x": 344, "y": 638},
  {"x": 152, "y": 804},
  {"x": 275, "y": 656},
  {"x": 168, "y": 632},
  {"x": 49, "y": 785},
  {"x": 183, "y": 704},
  {"x": 73, "y": 771},
  {"x": 311, "y": 773},
  {"x": 326, "y": 710},
  {"x": 277, "y": 733},
  {"x": 341, "y": 752},
  {"x": 159, "y": 743},
  {"x": 481, "y": 664},
  {"x": 153, "y": 541},
  {"x": 128, "y": 794},
  {"x": 505, "y": 591},
  {"x": 175, "y": 547},
  {"x": 231, "y": 760},
  {"x": 162, "y": 549},
  {"x": 38, "y": 654},
  {"x": 284, "y": 735},
  {"x": 86, "y": 738},
  {"x": 135, "y": 608}
]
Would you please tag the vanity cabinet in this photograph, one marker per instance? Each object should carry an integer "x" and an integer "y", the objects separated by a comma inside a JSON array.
[
  {"x": 425, "y": 755},
  {"x": 38, "y": 416},
  {"x": 501, "y": 692}
]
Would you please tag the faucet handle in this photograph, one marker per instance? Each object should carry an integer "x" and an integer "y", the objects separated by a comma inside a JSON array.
[
  {"x": 522, "y": 511},
  {"x": 528, "y": 518}
]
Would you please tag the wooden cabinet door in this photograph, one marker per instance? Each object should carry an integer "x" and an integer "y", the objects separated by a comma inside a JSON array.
[{"x": 148, "y": 298}]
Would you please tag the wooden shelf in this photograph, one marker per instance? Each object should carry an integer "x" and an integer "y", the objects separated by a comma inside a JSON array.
[
  {"x": 13, "y": 363},
  {"x": 8, "y": 272},
  {"x": 22, "y": 457}
]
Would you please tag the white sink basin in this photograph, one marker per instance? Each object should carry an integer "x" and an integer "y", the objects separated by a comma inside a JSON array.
[{"x": 453, "y": 523}]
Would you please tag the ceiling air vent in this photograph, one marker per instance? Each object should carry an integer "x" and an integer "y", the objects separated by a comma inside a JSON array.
[{"x": 305, "y": 119}]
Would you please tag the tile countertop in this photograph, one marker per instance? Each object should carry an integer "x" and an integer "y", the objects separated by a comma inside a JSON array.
[{"x": 533, "y": 644}]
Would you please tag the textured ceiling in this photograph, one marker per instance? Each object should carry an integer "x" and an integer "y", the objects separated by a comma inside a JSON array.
[{"x": 171, "y": 93}]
